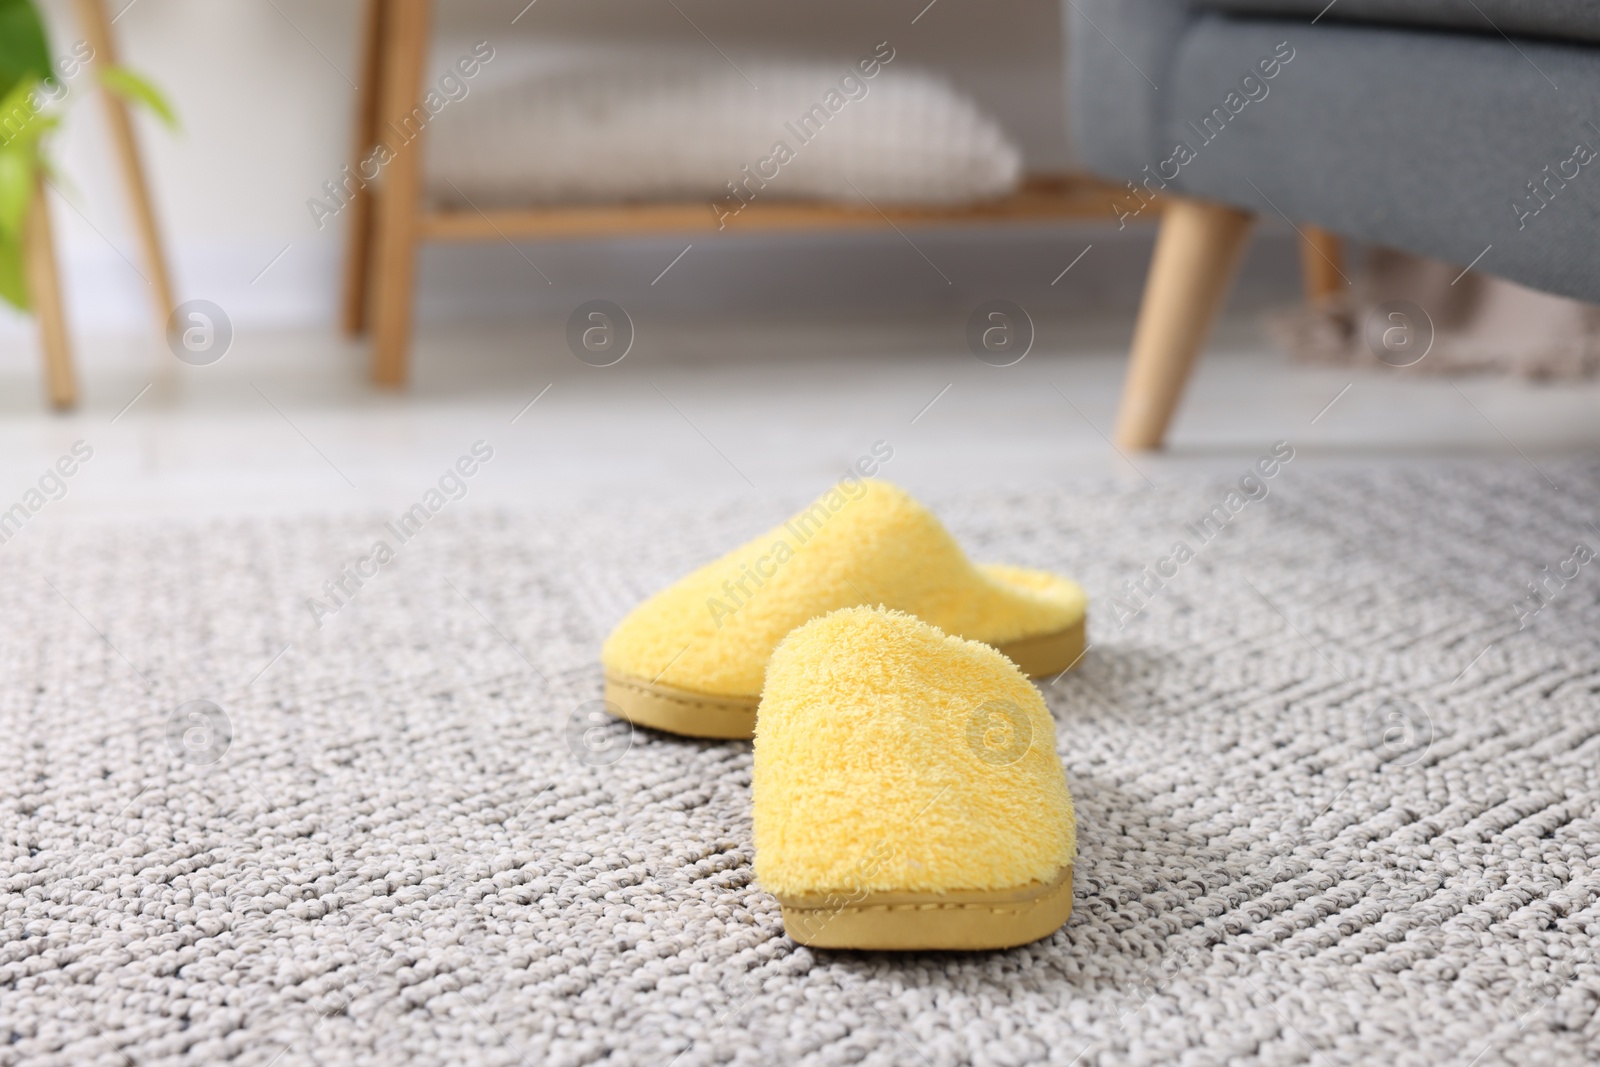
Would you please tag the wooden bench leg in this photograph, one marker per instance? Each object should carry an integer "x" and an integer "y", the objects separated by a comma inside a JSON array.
[
  {"x": 44, "y": 291},
  {"x": 1321, "y": 263},
  {"x": 1197, "y": 253},
  {"x": 399, "y": 205},
  {"x": 369, "y": 97}
]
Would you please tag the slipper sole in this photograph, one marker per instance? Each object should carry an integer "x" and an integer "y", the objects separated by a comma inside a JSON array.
[
  {"x": 684, "y": 711},
  {"x": 964, "y": 920}
]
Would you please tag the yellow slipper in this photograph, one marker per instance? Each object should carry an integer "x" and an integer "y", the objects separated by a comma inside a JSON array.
[
  {"x": 907, "y": 790},
  {"x": 691, "y": 659}
]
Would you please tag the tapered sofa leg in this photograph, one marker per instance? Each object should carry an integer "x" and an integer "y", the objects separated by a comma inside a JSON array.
[
  {"x": 1321, "y": 264},
  {"x": 1197, "y": 254}
]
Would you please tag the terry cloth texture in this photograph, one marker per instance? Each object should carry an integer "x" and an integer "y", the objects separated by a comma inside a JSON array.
[
  {"x": 1355, "y": 132},
  {"x": 862, "y": 541},
  {"x": 891, "y": 757},
  {"x": 399, "y": 859}
]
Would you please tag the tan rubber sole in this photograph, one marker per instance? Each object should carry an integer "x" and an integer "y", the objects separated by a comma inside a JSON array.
[
  {"x": 930, "y": 921},
  {"x": 684, "y": 711},
  {"x": 681, "y": 711}
]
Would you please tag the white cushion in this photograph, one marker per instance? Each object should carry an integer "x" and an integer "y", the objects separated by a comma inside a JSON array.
[{"x": 589, "y": 123}]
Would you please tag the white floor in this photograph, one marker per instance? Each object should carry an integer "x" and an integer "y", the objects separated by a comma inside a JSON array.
[{"x": 287, "y": 423}]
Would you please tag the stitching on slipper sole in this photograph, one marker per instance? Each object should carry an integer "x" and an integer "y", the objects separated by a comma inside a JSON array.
[
  {"x": 863, "y": 909},
  {"x": 1062, "y": 884},
  {"x": 651, "y": 691}
]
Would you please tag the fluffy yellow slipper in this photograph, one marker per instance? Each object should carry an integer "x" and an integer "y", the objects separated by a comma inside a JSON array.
[
  {"x": 907, "y": 790},
  {"x": 691, "y": 659}
]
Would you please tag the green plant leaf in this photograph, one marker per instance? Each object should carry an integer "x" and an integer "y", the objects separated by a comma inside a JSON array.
[
  {"x": 21, "y": 124},
  {"x": 24, "y": 63},
  {"x": 17, "y": 180},
  {"x": 24, "y": 50},
  {"x": 13, "y": 281},
  {"x": 136, "y": 89},
  {"x": 28, "y": 140}
]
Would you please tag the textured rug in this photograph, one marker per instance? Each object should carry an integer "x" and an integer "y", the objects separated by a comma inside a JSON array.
[{"x": 1336, "y": 775}]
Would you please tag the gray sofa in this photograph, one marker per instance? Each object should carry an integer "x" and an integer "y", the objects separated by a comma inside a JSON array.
[{"x": 1464, "y": 130}]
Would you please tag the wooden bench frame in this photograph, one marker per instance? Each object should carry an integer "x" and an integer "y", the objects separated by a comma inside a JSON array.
[{"x": 390, "y": 218}]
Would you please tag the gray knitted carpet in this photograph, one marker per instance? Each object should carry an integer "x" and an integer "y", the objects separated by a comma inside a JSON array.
[{"x": 1335, "y": 806}]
